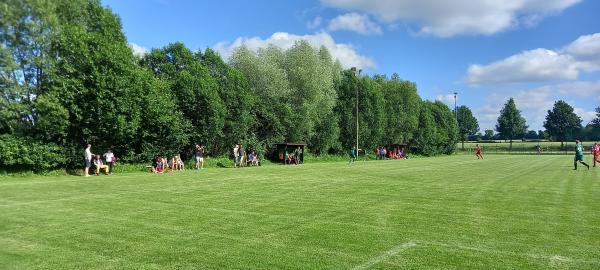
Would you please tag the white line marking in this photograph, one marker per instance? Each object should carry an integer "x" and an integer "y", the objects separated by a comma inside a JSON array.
[{"x": 390, "y": 253}]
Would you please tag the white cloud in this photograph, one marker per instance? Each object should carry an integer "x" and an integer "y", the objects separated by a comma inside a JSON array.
[
  {"x": 355, "y": 22},
  {"x": 586, "y": 49},
  {"x": 345, "y": 53},
  {"x": 528, "y": 66},
  {"x": 315, "y": 23},
  {"x": 449, "y": 18},
  {"x": 448, "y": 99},
  {"x": 578, "y": 88},
  {"x": 586, "y": 116},
  {"x": 138, "y": 50},
  {"x": 582, "y": 55}
]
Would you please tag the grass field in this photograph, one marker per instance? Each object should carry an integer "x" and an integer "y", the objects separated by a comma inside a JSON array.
[{"x": 506, "y": 212}]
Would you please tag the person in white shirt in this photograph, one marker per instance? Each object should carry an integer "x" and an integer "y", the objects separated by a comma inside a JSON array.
[
  {"x": 236, "y": 156},
  {"x": 88, "y": 160},
  {"x": 109, "y": 157}
]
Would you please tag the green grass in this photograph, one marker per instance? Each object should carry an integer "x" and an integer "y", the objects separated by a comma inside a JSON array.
[{"x": 506, "y": 212}]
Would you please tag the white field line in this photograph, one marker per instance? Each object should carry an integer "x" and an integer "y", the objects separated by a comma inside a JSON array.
[
  {"x": 390, "y": 253},
  {"x": 555, "y": 259}
]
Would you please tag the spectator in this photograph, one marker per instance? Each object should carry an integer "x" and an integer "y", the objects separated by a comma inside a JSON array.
[
  {"x": 297, "y": 155},
  {"x": 88, "y": 160},
  {"x": 100, "y": 165},
  {"x": 157, "y": 166},
  {"x": 180, "y": 162},
  {"x": 236, "y": 154},
  {"x": 241, "y": 155},
  {"x": 110, "y": 159}
]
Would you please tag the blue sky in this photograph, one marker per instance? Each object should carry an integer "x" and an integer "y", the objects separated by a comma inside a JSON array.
[{"x": 537, "y": 51}]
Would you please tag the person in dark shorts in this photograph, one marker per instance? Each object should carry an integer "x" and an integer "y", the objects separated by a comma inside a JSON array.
[
  {"x": 88, "y": 160},
  {"x": 353, "y": 154},
  {"x": 579, "y": 155}
]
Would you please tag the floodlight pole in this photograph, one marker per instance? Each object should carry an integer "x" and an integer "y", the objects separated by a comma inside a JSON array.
[
  {"x": 456, "y": 117},
  {"x": 356, "y": 74},
  {"x": 455, "y": 111}
]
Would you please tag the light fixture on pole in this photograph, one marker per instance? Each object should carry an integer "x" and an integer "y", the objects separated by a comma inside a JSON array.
[
  {"x": 455, "y": 111},
  {"x": 456, "y": 115}
]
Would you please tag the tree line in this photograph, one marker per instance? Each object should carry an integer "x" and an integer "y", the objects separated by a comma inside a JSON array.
[
  {"x": 561, "y": 124},
  {"x": 68, "y": 78}
]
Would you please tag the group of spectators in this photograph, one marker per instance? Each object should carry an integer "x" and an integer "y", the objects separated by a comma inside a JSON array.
[
  {"x": 163, "y": 164},
  {"x": 103, "y": 163},
  {"x": 382, "y": 153},
  {"x": 242, "y": 159},
  {"x": 175, "y": 163},
  {"x": 295, "y": 157}
]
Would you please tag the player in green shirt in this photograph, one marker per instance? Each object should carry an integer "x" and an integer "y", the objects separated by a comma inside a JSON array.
[
  {"x": 353, "y": 154},
  {"x": 579, "y": 155}
]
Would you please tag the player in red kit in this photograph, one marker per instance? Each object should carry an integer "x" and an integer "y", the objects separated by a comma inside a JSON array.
[
  {"x": 478, "y": 151},
  {"x": 596, "y": 153}
]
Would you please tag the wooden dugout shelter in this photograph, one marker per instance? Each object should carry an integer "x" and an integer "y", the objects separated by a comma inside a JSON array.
[{"x": 280, "y": 149}]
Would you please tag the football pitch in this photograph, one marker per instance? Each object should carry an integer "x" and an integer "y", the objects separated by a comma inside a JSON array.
[{"x": 505, "y": 212}]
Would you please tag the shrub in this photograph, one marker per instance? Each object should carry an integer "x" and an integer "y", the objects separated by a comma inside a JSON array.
[{"x": 18, "y": 153}]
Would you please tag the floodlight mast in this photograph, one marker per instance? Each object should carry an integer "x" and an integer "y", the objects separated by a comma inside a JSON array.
[
  {"x": 356, "y": 91},
  {"x": 456, "y": 117},
  {"x": 455, "y": 111}
]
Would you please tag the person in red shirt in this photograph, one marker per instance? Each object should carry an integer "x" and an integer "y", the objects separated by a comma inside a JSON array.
[{"x": 478, "y": 151}]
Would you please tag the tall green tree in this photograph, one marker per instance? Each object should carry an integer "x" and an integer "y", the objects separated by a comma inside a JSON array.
[
  {"x": 195, "y": 90},
  {"x": 269, "y": 86},
  {"x": 165, "y": 131},
  {"x": 596, "y": 121},
  {"x": 511, "y": 124},
  {"x": 467, "y": 123},
  {"x": 234, "y": 91},
  {"x": 488, "y": 134},
  {"x": 401, "y": 108},
  {"x": 96, "y": 78},
  {"x": 426, "y": 139},
  {"x": 561, "y": 122},
  {"x": 312, "y": 95},
  {"x": 446, "y": 127},
  {"x": 327, "y": 130},
  {"x": 371, "y": 111},
  {"x": 26, "y": 30}
]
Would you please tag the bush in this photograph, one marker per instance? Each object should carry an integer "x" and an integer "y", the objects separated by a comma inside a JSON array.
[{"x": 18, "y": 154}]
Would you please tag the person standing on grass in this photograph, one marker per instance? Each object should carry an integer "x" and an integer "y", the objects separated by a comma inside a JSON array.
[
  {"x": 88, "y": 160},
  {"x": 478, "y": 151},
  {"x": 287, "y": 157},
  {"x": 241, "y": 155},
  {"x": 579, "y": 155},
  {"x": 236, "y": 154},
  {"x": 197, "y": 156},
  {"x": 110, "y": 159},
  {"x": 200, "y": 158},
  {"x": 596, "y": 155},
  {"x": 297, "y": 155},
  {"x": 353, "y": 154}
]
